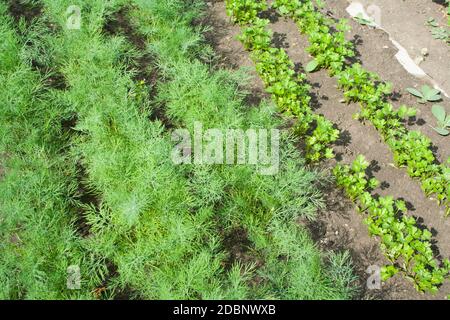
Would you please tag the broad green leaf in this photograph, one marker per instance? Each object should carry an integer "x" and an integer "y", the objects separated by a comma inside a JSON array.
[
  {"x": 439, "y": 112},
  {"x": 360, "y": 19},
  {"x": 311, "y": 66},
  {"x": 426, "y": 88},
  {"x": 434, "y": 98},
  {"x": 402, "y": 111},
  {"x": 411, "y": 112},
  {"x": 401, "y": 206},
  {"x": 431, "y": 94},
  {"x": 388, "y": 272},
  {"x": 447, "y": 121},
  {"x": 415, "y": 92},
  {"x": 442, "y": 131}
]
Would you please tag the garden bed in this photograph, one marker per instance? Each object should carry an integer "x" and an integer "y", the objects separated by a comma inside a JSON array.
[
  {"x": 89, "y": 127},
  {"x": 340, "y": 226}
]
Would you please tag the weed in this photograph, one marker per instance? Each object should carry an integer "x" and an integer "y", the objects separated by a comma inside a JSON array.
[
  {"x": 439, "y": 33},
  {"x": 426, "y": 94},
  {"x": 443, "y": 120}
]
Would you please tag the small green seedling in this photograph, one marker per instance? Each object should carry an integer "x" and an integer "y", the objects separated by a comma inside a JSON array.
[
  {"x": 438, "y": 32},
  {"x": 426, "y": 94},
  {"x": 443, "y": 120},
  {"x": 363, "y": 21},
  {"x": 432, "y": 23}
]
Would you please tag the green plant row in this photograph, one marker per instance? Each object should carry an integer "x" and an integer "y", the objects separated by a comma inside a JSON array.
[
  {"x": 289, "y": 91},
  {"x": 330, "y": 50},
  {"x": 144, "y": 222},
  {"x": 264, "y": 208},
  {"x": 406, "y": 245},
  {"x": 165, "y": 227},
  {"x": 403, "y": 242},
  {"x": 244, "y": 12},
  {"x": 38, "y": 241}
]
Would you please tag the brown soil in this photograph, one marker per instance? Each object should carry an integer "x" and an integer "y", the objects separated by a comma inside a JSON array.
[
  {"x": 340, "y": 227},
  {"x": 405, "y": 21},
  {"x": 118, "y": 24},
  {"x": 239, "y": 248},
  {"x": 27, "y": 11}
]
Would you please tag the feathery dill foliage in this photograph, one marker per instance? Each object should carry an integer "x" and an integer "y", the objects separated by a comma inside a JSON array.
[
  {"x": 165, "y": 228},
  {"x": 265, "y": 206},
  {"x": 37, "y": 238},
  {"x": 145, "y": 224}
]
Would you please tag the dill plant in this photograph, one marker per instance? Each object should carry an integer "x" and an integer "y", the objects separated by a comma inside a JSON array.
[
  {"x": 265, "y": 206},
  {"x": 38, "y": 240},
  {"x": 163, "y": 227},
  {"x": 144, "y": 223}
]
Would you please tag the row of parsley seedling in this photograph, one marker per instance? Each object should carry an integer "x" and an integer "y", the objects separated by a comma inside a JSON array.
[
  {"x": 331, "y": 51},
  {"x": 289, "y": 90},
  {"x": 403, "y": 242}
]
